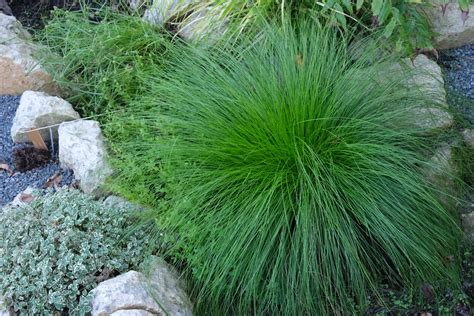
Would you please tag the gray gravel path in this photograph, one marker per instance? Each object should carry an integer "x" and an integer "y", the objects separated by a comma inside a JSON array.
[
  {"x": 10, "y": 186},
  {"x": 458, "y": 64}
]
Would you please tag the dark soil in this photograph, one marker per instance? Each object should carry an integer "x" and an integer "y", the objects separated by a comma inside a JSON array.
[
  {"x": 33, "y": 14},
  {"x": 28, "y": 158},
  {"x": 33, "y": 169}
]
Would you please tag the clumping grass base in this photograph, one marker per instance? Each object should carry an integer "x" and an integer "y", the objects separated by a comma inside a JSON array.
[{"x": 292, "y": 176}]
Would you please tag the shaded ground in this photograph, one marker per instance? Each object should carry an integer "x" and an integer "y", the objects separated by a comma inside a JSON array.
[
  {"x": 33, "y": 13},
  {"x": 13, "y": 184}
]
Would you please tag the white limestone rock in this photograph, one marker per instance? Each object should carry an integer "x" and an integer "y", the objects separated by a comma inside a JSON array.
[
  {"x": 160, "y": 293},
  {"x": 427, "y": 77},
  {"x": 163, "y": 10},
  {"x": 450, "y": 29},
  {"x": 82, "y": 149},
  {"x": 19, "y": 70},
  {"x": 3, "y": 307},
  {"x": 38, "y": 109},
  {"x": 432, "y": 119},
  {"x": 204, "y": 25},
  {"x": 132, "y": 312},
  {"x": 468, "y": 135},
  {"x": 468, "y": 226},
  {"x": 441, "y": 173},
  {"x": 24, "y": 197}
]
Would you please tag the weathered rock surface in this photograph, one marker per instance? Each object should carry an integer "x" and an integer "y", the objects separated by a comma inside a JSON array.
[
  {"x": 468, "y": 135},
  {"x": 19, "y": 71},
  {"x": 24, "y": 197},
  {"x": 204, "y": 24},
  {"x": 3, "y": 307},
  {"x": 441, "y": 172},
  {"x": 428, "y": 78},
  {"x": 451, "y": 31},
  {"x": 432, "y": 119},
  {"x": 201, "y": 23},
  {"x": 5, "y": 8},
  {"x": 163, "y": 10},
  {"x": 468, "y": 225},
  {"x": 82, "y": 149},
  {"x": 136, "y": 4},
  {"x": 159, "y": 293},
  {"x": 37, "y": 109},
  {"x": 132, "y": 312}
]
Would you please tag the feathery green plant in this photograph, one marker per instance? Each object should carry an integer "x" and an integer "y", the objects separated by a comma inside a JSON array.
[
  {"x": 293, "y": 176},
  {"x": 101, "y": 57}
]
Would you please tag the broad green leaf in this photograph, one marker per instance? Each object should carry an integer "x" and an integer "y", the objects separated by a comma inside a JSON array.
[
  {"x": 359, "y": 4},
  {"x": 340, "y": 15},
  {"x": 377, "y": 7},
  {"x": 464, "y": 5},
  {"x": 348, "y": 5},
  {"x": 385, "y": 12},
  {"x": 390, "y": 27},
  {"x": 396, "y": 14}
]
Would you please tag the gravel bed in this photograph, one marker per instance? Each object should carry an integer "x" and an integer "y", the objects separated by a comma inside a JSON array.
[
  {"x": 10, "y": 186},
  {"x": 458, "y": 64}
]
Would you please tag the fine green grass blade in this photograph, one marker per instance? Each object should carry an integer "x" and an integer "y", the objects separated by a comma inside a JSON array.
[{"x": 292, "y": 175}]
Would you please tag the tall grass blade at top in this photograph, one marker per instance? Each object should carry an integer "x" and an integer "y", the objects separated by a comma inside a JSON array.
[{"x": 293, "y": 176}]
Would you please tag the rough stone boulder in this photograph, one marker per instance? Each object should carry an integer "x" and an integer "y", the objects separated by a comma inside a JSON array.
[
  {"x": 19, "y": 71},
  {"x": 3, "y": 306},
  {"x": 427, "y": 77},
  {"x": 132, "y": 312},
  {"x": 37, "y": 109},
  {"x": 201, "y": 23},
  {"x": 468, "y": 135},
  {"x": 24, "y": 197},
  {"x": 468, "y": 225},
  {"x": 162, "y": 11},
  {"x": 204, "y": 25},
  {"x": 432, "y": 119},
  {"x": 159, "y": 292},
  {"x": 442, "y": 173},
  {"x": 82, "y": 149},
  {"x": 450, "y": 28}
]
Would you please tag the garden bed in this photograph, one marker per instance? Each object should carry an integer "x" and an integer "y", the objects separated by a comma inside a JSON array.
[
  {"x": 13, "y": 182},
  {"x": 280, "y": 200}
]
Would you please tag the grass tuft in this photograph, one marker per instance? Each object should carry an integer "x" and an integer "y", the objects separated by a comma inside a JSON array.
[
  {"x": 292, "y": 175},
  {"x": 100, "y": 58}
]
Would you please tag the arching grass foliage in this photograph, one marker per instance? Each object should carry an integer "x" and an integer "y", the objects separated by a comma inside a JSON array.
[{"x": 292, "y": 176}]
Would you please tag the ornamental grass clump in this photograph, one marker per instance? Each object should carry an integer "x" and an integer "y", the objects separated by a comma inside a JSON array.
[{"x": 293, "y": 176}]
